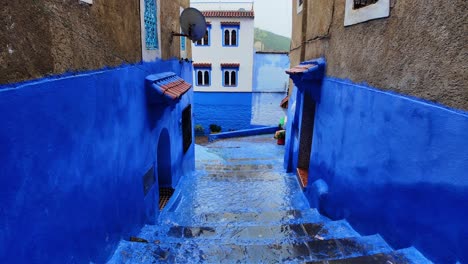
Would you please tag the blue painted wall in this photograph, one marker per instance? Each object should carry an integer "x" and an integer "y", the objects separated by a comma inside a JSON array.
[
  {"x": 394, "y": 165},
  {"x": 237, "y": 111},
  {"x": 269, "y": 72},
  {"x": 228, "y": 110},
  {"x": 74, "y": 150}
]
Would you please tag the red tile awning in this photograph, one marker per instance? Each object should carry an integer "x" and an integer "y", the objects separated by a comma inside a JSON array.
[
  {"x": 230, "y": 23},
  {"x": 249, "y": 14},
  {"x": 300, "y": 68},
  {"x": 166, "y": 86},
  {"x": 175, "y": 89},
  {"x": 230, "y": 65},
  {"x": 202, "y": 65}
]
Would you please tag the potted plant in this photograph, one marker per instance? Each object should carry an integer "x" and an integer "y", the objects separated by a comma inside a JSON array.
[
  {"x": 280, "y": 136},
  {"x": 199, "y": 130},
  {"x": 215, "y": 128}
]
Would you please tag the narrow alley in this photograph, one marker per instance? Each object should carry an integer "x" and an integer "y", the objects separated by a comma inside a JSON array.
[{"x": 240, "y": 207}]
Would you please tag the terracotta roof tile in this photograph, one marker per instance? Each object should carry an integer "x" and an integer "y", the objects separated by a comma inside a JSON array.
[
  {"x": 230, "y": 65},
  {"x": 300, "y": 68},
  {"x": 202, "y": 65},
  {"x": 229, "y": 14},
  {"x": 230, "y": 23},
  {"x": 172, "y": 87}
]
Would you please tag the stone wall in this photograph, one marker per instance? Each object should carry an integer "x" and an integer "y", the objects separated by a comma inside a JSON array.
[{"x": 420, "y": 50}]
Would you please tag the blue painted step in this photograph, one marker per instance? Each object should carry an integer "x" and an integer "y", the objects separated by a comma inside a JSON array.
[
  {"x": 246, "y": 218},
  {"x": 263, "y": 234},
  {"x": 279, "y": 253}
]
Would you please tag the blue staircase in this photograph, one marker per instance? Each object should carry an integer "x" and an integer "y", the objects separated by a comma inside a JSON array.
[{"x": 240, "y": 207}]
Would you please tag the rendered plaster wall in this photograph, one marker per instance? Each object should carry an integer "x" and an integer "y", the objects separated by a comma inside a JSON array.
[
  {"x": 394, "y": 165},
  {"x": 231, "y": 111},
  {"x": 420, "y": 50},
  {"x": 269, "y": 72},
  {"x": 270, "y": 85},
  {"x": 48, "y": 37},
  {"x": 73, "y": 160},
  {"x": 170, "y": 14}
]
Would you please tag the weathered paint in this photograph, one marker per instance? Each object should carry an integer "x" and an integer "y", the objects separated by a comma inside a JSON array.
[
  {"x": 392, "y": 164},
  {"x": 231, "y": 111},
  {"x": 74, "y": 150}
]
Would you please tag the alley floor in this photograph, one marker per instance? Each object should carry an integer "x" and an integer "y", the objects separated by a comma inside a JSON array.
[{"x": 241, "y": 207}]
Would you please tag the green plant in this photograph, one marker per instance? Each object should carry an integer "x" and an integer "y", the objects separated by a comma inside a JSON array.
[
  {"x": 280, "y": 134},
  {"x": 215, "y": 128},
  {"x": 199, "y": 130}
]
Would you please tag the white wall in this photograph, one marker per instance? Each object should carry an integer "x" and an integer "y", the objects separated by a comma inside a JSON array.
[{"x": 217, "y": 54}]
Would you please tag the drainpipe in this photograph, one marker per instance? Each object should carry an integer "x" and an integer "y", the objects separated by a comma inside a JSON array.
[{"x": 305, "y": 12}]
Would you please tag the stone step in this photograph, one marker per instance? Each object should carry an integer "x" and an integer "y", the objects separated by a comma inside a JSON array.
[
  {"x": 245, "y": 235},
  {"x": 403, "y": 256},
  {"x": 244, "y": 218},
  {"x": 261, "y": 218},
  {"x": 316, "y": 250}
]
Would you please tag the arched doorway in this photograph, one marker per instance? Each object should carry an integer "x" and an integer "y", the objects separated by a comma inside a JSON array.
[{"x": 164, "y": 169}]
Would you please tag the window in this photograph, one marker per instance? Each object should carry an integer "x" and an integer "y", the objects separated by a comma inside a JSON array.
[
  {"x": 151, "y": 25},
  {"x": 358, "y": 11},
  {"x": 203, "y": 77},
  {"x": 205, "y": 41},
  {"x": 230, "y": 33},
  {"x": 300, "y": 4},
  {"x": 230, "y": 74},
  {"x": 187, "y": 127},
  {"x": 363, "y": 3},
  {"x": 182, "y": 43}
]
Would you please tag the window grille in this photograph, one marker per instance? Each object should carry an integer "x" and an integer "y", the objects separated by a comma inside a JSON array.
[{"x": 151, "y": 25}]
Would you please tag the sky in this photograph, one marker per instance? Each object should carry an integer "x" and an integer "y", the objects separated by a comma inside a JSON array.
[
  {"x": 274, "y": 16},
  {"x": 271, "y": 15}
]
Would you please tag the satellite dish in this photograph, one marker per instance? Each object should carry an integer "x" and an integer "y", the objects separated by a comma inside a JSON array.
[{"x": 193, "y": 24}]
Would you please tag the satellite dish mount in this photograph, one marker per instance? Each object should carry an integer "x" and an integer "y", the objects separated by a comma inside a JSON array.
[{"x": 193, "y": 25}]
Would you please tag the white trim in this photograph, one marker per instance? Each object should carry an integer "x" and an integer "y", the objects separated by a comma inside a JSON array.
[
  {"x": 353, "y": 16},
  {"x": 89, "y": 2}
]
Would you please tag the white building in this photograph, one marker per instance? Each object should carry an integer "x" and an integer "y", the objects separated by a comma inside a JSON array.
[{"x": 223, "y": 60}]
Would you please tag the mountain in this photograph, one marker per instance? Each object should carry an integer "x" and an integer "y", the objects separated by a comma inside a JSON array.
[{"x": 268, "y": 41}]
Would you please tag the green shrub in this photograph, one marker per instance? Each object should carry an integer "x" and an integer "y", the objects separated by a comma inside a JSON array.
[
  {"x": 215, "y": 128},
  {"x": 199, "y": 130}
]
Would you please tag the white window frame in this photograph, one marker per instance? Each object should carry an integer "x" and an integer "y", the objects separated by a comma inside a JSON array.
[
  {"x": 353, "y": 16},
  {"x": 204, "y": 82}
]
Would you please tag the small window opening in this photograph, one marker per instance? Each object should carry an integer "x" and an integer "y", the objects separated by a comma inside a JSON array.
[
  {"x": 363, "y": 3},
  {"x": 226, "y": 78},
  {"x": 233, "y": 78},
  {"x": 200, "y": 78},
  {"x": 234, "y": 38}
]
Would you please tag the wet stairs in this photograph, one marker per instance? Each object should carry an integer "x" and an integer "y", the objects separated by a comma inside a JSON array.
[{"x": 240, "y": 207}]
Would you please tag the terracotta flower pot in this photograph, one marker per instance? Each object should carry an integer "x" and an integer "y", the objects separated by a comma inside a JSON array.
[{"x": 280, "y": 141}]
